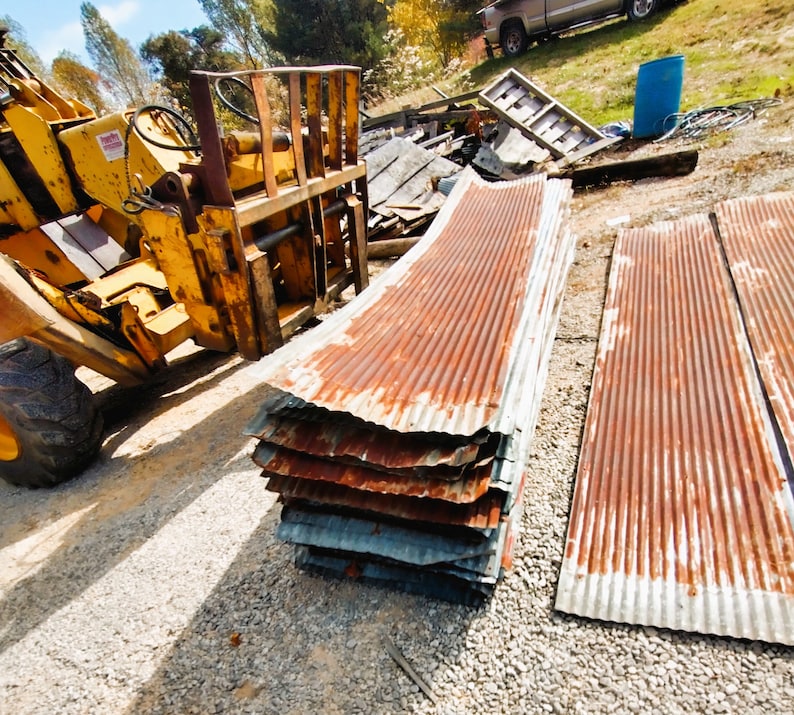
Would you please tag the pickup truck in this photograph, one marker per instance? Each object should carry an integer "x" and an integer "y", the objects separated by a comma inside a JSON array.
[{"x": 512, "y": 24}]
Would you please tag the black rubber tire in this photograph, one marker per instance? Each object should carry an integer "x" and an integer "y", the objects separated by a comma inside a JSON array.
[
  {"x": 52, "y": 415},
  {"x": 640, "y": 9},
  {"x": 513, "y": 39}
]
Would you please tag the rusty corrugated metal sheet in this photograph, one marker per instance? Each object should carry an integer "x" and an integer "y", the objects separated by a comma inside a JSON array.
[
  {"x": 484, "y": 513},
  {"x": 388, "y": 450},
  {"x": 681, "y": 516},
  {"x": 435, "y": 355},
  {"x": 398, "y": 431},
  {"x": 276, "y": 461},
  {"x": 758, "y": 235}
]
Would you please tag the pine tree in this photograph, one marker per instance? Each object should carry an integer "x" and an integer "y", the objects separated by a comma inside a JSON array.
[
  {"x": 114, "y": 59},
  {"x": 172, "y": 55},
  {"x": 243, "y": 23}
]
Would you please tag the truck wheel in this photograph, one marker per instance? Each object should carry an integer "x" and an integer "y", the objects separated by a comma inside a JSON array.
[
  {"x": 640, "y": 9},
  {"x": 50, "y": 428},
  {"x": 513, "y": 39}
]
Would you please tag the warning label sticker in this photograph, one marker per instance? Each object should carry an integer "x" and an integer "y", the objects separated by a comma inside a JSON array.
[{"x": 112, "y": 144}]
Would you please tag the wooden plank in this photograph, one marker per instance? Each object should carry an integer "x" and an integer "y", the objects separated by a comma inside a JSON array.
[
  {"x": 351, "y": 116},
  {"x": 256, "y": 208},
  {"x": 357, "y": 223},
  {"x": 588, "y": 149},
  {"x": 265, "y": 304},
  {"x": 265, "y": 132},
  {"x": 673, "y": 164},
  {"x": 411, "y": 161},
  {"x": 334, "y": 111},
  {"x": 216, "y": 184},
  {"x": 334, "y": 244},
  {"x": 372, "y": 122},
  {"x": 314, "y": 110},
  {"x": 313, "y": 216},
  {"x": 296, "y": 127}
]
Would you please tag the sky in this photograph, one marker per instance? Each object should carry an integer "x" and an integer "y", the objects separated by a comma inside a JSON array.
[{"x": 54, "y": 25}]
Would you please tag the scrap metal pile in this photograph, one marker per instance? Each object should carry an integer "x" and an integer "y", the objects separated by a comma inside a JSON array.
[{"x": 397, "y": 432}]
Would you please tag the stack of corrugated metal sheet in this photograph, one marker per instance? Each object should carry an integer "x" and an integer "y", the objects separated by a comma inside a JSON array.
[
  {"x": 683, "y": 513},
  {"x": 397, "y": 432}
]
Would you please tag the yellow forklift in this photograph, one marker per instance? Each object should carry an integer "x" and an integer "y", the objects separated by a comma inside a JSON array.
[{"x": 125, "y": 235}]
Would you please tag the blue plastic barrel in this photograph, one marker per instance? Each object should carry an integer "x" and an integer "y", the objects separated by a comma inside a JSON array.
[{"x": 657, "y": 95}]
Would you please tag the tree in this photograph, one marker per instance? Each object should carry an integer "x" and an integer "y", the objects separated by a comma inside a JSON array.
[
  {"x": 74, "y": 79},
  {"x": 172, "y": 55},
  {"x": 329, "y": 31},
  {"x": 114, "y": 59},
  {"x": 241, "y": 22},
  {"x": 17, "y": 40},
  {"x": 443, "y": 26}
]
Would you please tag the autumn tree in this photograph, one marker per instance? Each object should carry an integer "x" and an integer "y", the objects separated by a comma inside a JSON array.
[
  {"x": 243, "y": 23},
  {"x": 74, "y": 80},
  {"x": 440, "y": 26},
  {"x": 329, "y": 31},
  {"x": 172, "y": 55},
  {"x": 114, "y": 59}
]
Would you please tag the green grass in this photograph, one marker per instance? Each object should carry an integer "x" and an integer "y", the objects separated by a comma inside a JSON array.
[{"x": 733, "y": 49}]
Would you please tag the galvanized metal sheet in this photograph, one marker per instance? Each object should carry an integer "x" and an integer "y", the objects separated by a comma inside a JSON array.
[
  {"x": 481, "y": 514},
  {"x": 396, "y": 542},
  {"x": 758, "y": 235},
  {"x": 428, "y": 347},
  {"x": 422, "y": 581},
  {"x": 681, "y": 516}
]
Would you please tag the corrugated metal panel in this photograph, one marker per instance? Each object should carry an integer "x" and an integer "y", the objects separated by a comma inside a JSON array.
[
  {"x": 481, "y": 514},
  {"x": 681, "y": 515},
  {"x": 428, "y": 582},
  {"x": 406, "y": 545},
  {"x": 758, "y": 235},
  {"x": 434, "y": 356},
  {"x": 389, "y": 450},
  {"x": 399, "y": 430},
  {"x": 276, "y": 461}
]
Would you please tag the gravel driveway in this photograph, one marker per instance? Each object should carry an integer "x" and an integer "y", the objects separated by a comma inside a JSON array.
[{"x": 154, "y": 584}]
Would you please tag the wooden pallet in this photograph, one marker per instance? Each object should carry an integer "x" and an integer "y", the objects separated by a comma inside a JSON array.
[{"x": 541, "y": 118}]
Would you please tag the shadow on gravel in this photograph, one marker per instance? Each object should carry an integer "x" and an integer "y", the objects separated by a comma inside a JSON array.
[
  {"x": 93, "y": 522},
  {"x": 273, "y": 639}
]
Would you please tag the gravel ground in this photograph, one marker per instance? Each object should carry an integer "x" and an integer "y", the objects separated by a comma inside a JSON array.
[{"x": 154, "y": 583}]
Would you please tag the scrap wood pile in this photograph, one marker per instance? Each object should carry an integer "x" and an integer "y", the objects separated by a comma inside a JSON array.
[{"x": 397, "y": 432}]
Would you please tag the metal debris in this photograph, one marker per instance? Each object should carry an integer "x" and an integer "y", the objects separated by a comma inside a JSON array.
[
  {"x": 682, "y": 514},
  {"x": 541, "y": 118},
  {"x": 398, "y": 430},
  {"x": 709, "y": 120}
]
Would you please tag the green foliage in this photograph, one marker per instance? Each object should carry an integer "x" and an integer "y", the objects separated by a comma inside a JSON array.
[
  {"x": 734, "y": 50},
  {"x": 172, "y": 55},
  {"x": 114, "y": 59},
  {"x": 74, "y": 80},
  {"x": 17, "y": 40},
  {"x": 243, "y": 23},
  {"x": 329, "y": 31}
]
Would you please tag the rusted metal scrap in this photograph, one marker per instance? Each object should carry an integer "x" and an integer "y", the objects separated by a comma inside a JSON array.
[
  {"x": 398, "y": 431},
  {"x": 682, "y": 510}
]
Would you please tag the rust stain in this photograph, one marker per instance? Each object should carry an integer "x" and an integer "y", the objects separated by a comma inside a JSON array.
[
  {"x": 434, "y": 355},
  {"x": 276, "y": 461},
  {"x": 481, "y": 514},
  {"x": 681, "y": 487}
]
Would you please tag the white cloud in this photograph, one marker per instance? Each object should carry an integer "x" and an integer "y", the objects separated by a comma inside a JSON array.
[{"x": 119, "y": 14}]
